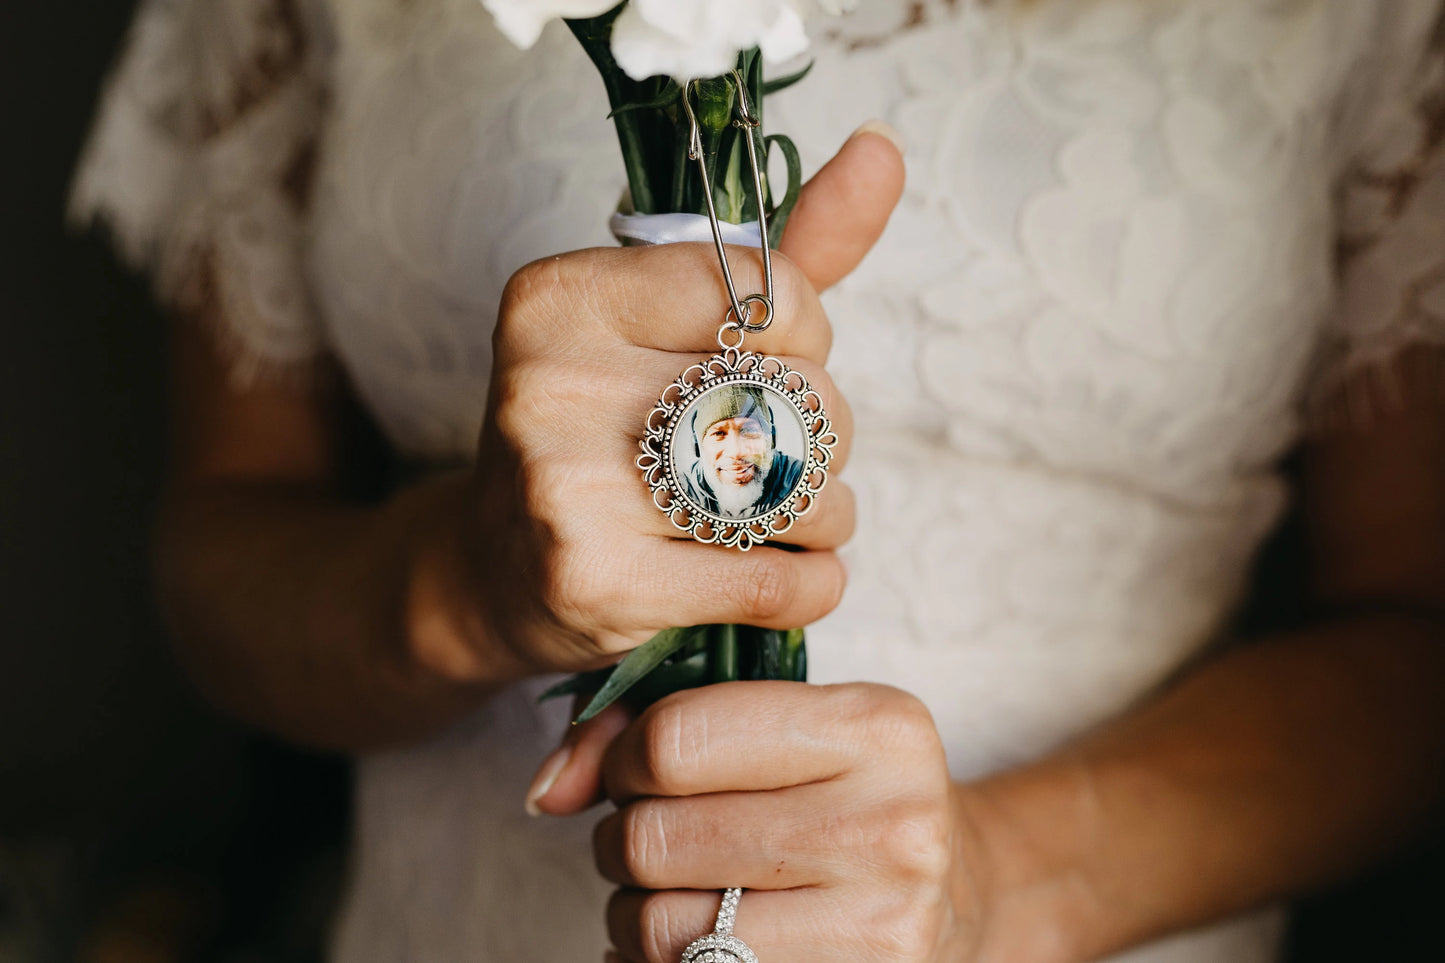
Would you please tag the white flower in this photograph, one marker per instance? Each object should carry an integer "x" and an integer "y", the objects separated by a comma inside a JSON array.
[
  {"x": 686, "y": 39},
  {"x": 834, "y": 8},
  {"x": 522, "y": 20}
]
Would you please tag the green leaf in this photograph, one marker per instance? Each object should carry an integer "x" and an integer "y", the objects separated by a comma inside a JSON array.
[
  {"x": 783, "y": 83},
  {"x": 778, "y": 218},
  {"x": 577, "y": 684},
  {"x": 638, "y": 663},
  {"x": 686, "y": 669},
  {"x": 665, "y": 98}
]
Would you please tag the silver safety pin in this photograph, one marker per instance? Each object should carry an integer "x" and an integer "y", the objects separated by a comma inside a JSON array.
[{"x": 741, "y": 308}]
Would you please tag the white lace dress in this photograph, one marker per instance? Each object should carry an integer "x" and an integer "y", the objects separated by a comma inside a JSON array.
[{"x": 1135, "y": 234}]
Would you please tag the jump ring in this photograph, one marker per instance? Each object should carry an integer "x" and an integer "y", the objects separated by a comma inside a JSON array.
[
  {"x": 747, "y": 322},
  {"x": 722, "y": 332}
]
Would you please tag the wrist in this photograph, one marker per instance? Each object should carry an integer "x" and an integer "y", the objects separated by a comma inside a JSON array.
[{"x": 1025, "y": 836}]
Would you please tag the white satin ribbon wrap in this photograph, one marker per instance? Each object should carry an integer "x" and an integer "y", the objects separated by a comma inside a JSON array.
[{"x": 638, "y": 229}]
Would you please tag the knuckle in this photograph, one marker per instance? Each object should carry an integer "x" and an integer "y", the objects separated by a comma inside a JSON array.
[
  {"x": 644, "y": 844},
  {"x": 894, "y": 724},
  {"x": 855, "y": 707},
  {"x": 536, "y": 287},
  {"x": 669, "y": 747},
  {"x": 901, "y": 719},
  {"x": 837, "y": 584},
  {"x": 907, "y": 928},
  {"x": 916, "y": 845},
  {"x": 569, "y": 582},
  {"x": 844, "y": 503},
  {"x": 546, "y": 480},
  {"x": 660, "y": 927},
  {"x": 547, "y": 295},
  {"x": 522, "y": 396},
  {"x": 795, "y": 297},
  {"x": 767, "y": 587},
  {"x": 822, "y": 382},
  {"x": 524, "y": 299},
  {"x": 542, "y": 510}
]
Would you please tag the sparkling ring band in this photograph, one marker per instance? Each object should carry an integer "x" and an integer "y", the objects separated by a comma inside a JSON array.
[{"x": 720, "y": 946}]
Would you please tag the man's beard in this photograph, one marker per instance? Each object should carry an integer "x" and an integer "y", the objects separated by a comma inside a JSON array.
[{"x": 739, "y": 501}]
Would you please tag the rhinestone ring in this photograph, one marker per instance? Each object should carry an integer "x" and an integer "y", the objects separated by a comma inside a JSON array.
[{"x": 720, "y": 946}]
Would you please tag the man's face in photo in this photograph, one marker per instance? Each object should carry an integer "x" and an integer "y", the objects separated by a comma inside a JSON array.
[{"x": 736, "y": 453}]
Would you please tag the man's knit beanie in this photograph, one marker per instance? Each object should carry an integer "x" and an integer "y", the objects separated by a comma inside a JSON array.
[{"x": 727, "y": 402}]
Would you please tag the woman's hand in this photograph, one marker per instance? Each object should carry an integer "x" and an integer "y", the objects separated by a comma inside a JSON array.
[
  {"x": 832, "y": 805},
  {"x": 563, "y": 562}
]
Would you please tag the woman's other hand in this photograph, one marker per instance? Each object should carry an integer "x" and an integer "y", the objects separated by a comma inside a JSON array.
[
  {"x": 562, "y": 562},
  {"x": 832, "y": 805}
]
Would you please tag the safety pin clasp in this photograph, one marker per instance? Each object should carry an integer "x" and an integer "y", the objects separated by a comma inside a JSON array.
[{"x": 742, "y": 308}]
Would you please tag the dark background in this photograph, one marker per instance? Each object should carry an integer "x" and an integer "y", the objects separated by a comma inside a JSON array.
[{"x": 134, "y": 824}]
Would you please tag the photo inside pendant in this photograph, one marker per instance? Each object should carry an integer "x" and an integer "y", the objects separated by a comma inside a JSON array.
[{"x": 739, "y": 451}]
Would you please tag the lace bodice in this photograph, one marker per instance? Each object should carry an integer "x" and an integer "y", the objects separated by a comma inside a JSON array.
[{"x": 1136, "y": 236}]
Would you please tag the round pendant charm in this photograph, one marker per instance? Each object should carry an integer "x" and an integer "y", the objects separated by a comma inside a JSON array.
[{"x": 737, "y": 449}]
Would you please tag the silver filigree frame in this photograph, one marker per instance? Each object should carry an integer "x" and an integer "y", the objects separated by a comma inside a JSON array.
[{"x": 733, "y": 366}]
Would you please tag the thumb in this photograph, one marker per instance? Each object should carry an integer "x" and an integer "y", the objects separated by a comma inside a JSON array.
[
  {"x": 842, "y": 211},
  {"x": 570, "y": 779}
]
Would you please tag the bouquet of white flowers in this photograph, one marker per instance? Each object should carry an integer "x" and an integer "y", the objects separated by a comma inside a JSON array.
[{"x": 652, "y": 54}]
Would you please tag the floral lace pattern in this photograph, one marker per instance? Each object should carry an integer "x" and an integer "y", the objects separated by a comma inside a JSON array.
[
  {"x": 199, "y": 163},
  {"x": 1135, "y": 236}
]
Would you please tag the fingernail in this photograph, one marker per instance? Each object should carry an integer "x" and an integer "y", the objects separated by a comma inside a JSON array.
[
  {"x": 546, "y": 777},
  {"x": 882, "y": 129}
]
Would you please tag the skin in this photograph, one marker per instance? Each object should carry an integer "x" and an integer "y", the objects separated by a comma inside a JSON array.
[
  {"x": 1277, "y": 766},
  {"x": 734, "y": 448}
]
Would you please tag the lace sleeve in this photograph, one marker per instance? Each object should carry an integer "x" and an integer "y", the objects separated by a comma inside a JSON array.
[
  {"x": 1392, "y": 223},
  {"x": 198, "y": 162}
]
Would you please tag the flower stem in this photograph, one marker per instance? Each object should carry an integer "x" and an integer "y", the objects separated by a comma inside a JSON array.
[{"x": 654, "y": 141}]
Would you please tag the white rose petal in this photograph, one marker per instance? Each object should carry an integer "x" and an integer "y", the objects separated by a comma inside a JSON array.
[
  {"x": 786, "y": 39},
  {"x": 701, "y": 38},
  {"x": 642, "y": 50},
  {"x": 521, "y": 21},
  {"x": 686, "y": 39}
]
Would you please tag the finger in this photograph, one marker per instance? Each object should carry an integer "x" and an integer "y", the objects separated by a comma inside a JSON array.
[
  {"x": 771, "y": 840},
  {"x": 740, "y": 736},
  {"x": 792, "y": 925},
  {"x": 842, "y": 210},
  {"x": 570, "y": 779},
  {"x": 670, "y": 297},
  {"x": 682, "y": 583}
]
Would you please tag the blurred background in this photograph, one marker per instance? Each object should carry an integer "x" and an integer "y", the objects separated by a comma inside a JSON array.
[{"x": 135, "y": 825}]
